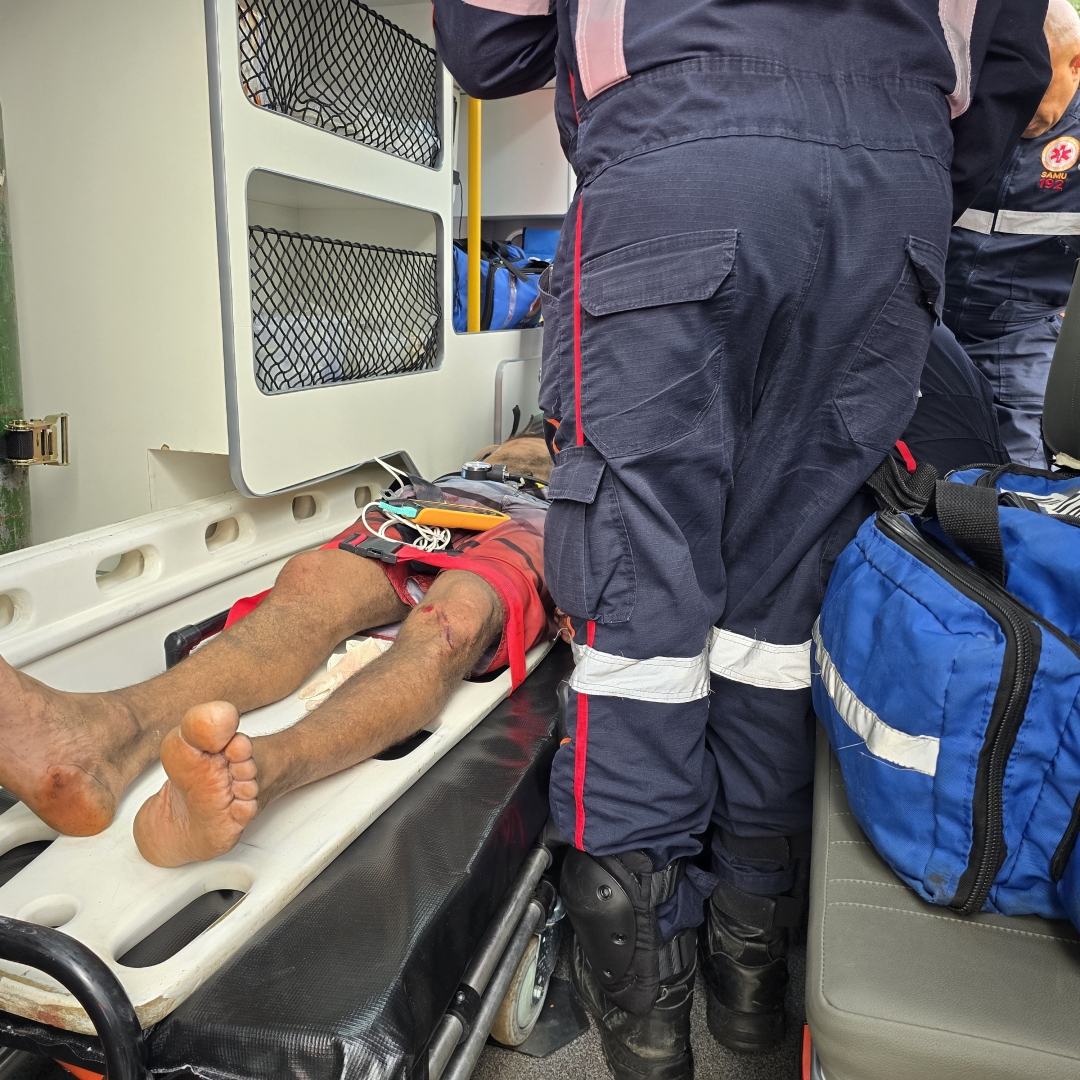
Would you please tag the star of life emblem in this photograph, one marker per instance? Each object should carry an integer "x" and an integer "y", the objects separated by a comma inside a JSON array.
[{"x": 1061, "y": 154}]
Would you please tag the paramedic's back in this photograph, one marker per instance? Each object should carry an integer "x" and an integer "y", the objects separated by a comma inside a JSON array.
[{"x": 734, "y": 329}]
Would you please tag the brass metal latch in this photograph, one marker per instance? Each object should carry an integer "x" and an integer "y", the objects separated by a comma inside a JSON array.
[{"x": 36, "y": 442}]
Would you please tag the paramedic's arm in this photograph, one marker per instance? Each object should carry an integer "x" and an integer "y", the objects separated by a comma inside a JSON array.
[
  {"x": 497, "y": 48},
  {"x": 1014, "y": 76}
]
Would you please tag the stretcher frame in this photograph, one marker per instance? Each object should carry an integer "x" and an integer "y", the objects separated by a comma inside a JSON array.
[{"x": 75, "y": 635}]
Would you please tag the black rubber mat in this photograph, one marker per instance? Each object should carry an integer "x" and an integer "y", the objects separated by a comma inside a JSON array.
[{"x": 350, "y": 980}]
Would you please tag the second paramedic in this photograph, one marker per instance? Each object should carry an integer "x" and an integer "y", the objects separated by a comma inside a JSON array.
[
  {"x": 735, "y": 324},
  {"x": 1013, "y": 254}
]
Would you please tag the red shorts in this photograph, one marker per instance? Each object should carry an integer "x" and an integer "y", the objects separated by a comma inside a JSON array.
[{"x": 509, "y": 557}]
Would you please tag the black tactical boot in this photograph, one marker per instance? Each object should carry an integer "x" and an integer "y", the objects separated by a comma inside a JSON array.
[
  {"x": 655, "y": 1046},
  {"x": 744, "y": 960}
]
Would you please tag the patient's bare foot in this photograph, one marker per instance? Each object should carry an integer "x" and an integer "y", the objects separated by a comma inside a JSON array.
[
  {"x": 67, "y": 756},
  {"x": 211, "y": 792}
]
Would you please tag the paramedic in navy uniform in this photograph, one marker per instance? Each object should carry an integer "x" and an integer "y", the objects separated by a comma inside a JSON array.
[
  {"x": 1013, "y": 254},
  {"x": 735, "y": 325}
]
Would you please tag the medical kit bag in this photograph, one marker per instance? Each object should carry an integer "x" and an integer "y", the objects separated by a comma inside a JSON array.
[
  {"x": 946, "y": 669},
  {"x": 509, "y": 287}
]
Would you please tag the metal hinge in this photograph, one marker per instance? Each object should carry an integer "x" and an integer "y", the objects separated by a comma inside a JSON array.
[{"x": 36, "y": 442}]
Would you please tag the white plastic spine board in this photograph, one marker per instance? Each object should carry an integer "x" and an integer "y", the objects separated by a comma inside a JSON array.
[
  {"x": 72, "y": 634},
  {"x": 341, "y": 424},
  {"x": 106, "y": 895}
]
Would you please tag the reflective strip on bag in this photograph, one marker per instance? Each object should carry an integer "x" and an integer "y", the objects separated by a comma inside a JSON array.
[
  {"x": 759, "y": 663},
  {"x": 917, "y": 752},
  {"x": 957, "y": 21},
  {"x": 667, "y": 680},
  {"x": 1027, "y": 223},
  {"x": 980, "y": 221}
]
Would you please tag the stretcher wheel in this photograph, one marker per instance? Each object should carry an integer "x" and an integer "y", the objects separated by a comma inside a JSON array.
[{"x": 524, "y": 1001}]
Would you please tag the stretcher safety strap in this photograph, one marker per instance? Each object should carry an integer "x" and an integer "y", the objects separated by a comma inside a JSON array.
[
  {"x": 917, "y": 752},
  {"x": 980, "y": 221},
  {"x": 759, "y": 663},
  {"x": 958, "y": 20},
  {"x": 1027, "y": 223},
  {"x": 666, "y": 680}
]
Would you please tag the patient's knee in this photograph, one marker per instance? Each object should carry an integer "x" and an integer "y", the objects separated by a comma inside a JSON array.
[
  {"x": 465, "y": 618},
  {"x": 304, "y": 576}
]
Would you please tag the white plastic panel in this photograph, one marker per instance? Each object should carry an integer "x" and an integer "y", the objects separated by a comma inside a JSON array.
[{"x": 279, "y": 441}]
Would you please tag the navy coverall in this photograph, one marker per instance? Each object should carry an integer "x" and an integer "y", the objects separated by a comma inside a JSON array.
[
  {"x": 1011, "y": 262},
  {"x": 736, "y": 322}
]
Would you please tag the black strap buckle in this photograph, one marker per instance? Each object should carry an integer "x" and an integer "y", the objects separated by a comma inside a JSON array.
[{"x": 372, "y": 547}]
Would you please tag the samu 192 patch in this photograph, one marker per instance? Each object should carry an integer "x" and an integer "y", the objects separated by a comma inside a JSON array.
[{"x": 1061, "y": 155}]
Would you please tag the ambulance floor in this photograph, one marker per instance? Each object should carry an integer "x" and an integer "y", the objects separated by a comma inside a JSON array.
[{"x": 584, "y": 1060}]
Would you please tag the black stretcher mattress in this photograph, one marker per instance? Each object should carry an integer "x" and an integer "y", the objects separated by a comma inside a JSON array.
[{"x": 351, "y": 979}]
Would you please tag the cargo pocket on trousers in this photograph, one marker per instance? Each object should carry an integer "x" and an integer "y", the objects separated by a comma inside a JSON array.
[
  {"x": 878, "y": 393},
  {"x": 654, "y": 317},
  {"x": 587, "y": 557}
]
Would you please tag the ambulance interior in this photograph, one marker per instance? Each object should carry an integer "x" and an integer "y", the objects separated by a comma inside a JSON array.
[{"x": 239, "y": 300}]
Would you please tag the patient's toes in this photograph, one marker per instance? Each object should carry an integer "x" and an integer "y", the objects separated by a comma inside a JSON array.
[
  {"x": 210, "y": 727},
  {"x": 211, "y": 793}
]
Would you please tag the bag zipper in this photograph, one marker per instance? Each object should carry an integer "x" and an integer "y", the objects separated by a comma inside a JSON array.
[{"x": 1022, "y": 646}]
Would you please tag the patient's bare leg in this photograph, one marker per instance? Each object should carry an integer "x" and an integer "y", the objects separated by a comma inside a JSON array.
[
  {"x": 70, "y": 756},
  {"x": 219, "y": 779}
]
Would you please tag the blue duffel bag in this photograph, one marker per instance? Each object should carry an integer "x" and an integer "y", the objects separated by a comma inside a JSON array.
[
  {"x": 509, "y": 287},
  {"x": 947, "y": 672}
]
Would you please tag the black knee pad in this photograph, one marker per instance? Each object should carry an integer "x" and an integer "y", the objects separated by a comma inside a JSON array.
[{"x": 611, "y": 902}]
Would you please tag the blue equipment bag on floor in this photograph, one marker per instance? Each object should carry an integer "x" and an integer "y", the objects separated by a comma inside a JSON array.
[
  {"x": 947, "y": 671},
  {"x": 509, "y": 287}
]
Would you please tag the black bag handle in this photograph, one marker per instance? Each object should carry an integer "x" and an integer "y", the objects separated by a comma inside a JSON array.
[
  {"x": 969, "y": 517},
  {"x": 967, "y": 514}
]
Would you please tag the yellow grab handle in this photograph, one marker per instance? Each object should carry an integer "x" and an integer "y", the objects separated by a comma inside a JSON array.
[{"x": 472, "y": 308}]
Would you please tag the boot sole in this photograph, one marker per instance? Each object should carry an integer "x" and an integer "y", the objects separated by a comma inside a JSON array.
[{"x": 746, "y": 1033}]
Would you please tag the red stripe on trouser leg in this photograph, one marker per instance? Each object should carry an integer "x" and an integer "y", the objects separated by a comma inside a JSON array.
[
  {"x": 581, "y": 753},
  {"x": 577, "y": 326}
]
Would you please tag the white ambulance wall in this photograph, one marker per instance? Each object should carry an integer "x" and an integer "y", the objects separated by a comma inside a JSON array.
[
  {"x": 525, "y": 171},
  {"x": 112, "y": 214}
]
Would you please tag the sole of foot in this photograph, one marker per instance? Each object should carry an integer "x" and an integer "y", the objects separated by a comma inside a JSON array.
[{"x": 211, "y": 794}]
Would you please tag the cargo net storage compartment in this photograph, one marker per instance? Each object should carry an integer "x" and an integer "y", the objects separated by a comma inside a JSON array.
[
  {"x": 333, "y": 311},
  {"x": 339, "y": 66}
]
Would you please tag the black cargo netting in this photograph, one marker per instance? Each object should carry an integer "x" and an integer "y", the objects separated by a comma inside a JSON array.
[
  {"x": 340, "y": 66},
  {"x": 333, "y": 311}
]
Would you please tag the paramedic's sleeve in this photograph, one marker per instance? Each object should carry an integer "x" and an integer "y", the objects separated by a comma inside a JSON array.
[
  {"x": 1014, "y": 75},
  {"x": 497, "y": 48}
]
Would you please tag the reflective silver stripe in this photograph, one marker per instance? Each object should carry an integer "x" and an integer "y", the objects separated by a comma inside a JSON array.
[
  {"x": 664, "y": 679},
  {"x": 980, "y": 221},
  {"x": 1032, "y": 224},
  {"x": 759, "y": 663},
  {"x": 514, "y": 7},
  {"x": 918, "y": 752},
  {"x": 598, "y": 41},
  {"x": 957, "y": 20}
]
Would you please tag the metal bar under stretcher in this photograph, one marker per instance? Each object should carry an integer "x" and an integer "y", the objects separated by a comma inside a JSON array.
[
  {"x": 485, "y": 961},
  {"x": 88, "y": 979}
]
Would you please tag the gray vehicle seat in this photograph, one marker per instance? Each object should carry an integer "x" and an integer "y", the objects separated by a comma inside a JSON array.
[
  {"x": 1061, "y": 406},
  {"x": 898, "y": 989}
]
